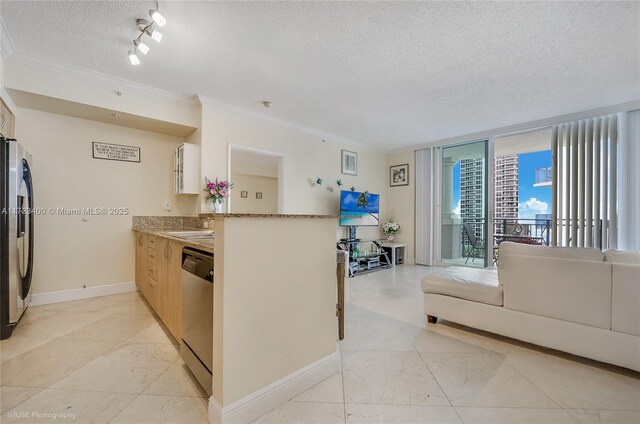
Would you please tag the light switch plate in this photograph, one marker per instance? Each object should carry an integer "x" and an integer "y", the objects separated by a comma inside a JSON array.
[{"x": 167, "y": 205}]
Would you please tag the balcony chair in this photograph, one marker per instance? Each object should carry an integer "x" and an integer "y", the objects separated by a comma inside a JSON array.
[{"x": 477, "y": 244}]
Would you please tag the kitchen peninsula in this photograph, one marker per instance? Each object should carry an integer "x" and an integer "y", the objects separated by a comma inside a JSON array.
[{"x": 274, "y": 302}]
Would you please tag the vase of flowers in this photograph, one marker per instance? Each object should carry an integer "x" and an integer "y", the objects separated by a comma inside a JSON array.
[
  {"x": 216, "y": 193},
  {"x": 390, "y": 229}
]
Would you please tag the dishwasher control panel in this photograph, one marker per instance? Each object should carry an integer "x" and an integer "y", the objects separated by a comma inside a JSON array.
[{"x": 198, "y": 263}]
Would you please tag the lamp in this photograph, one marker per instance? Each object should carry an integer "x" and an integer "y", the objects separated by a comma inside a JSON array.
[
  {"x": 133, "y": 58},
  {"x": 157, "y": 17},
  {"x": 148, "y": 28},
  {"x": 140, "y": 45}
]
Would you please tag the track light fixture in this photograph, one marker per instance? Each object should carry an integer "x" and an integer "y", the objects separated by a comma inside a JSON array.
[{"x": 147, "y": 28}]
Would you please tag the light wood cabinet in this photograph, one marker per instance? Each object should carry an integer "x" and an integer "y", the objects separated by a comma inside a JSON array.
[
  {"x": 171, "y": 287},
  {"x": 141, "y": 263},
  {"x": 158, "y": 277},
  {"x": 153, "y": 274},
  {"x": 7, "y": 121}
]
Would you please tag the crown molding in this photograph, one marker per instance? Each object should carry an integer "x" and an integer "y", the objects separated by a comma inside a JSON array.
[
  {"x": 201, "y": 100},
  {"x": 6, "y": 44},
  {"x": 98, "y": 77},
  {"x": 522, "y": 128}
]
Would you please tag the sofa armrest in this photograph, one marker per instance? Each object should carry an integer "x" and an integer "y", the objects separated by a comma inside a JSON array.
[{"x": 571, "y": 290}]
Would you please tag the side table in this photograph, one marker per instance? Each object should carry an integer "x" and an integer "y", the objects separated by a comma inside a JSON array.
[{"x": 398, "y": 251}]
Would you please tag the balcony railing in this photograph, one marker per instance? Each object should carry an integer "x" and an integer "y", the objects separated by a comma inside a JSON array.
[{"x": 521, "y": 230}]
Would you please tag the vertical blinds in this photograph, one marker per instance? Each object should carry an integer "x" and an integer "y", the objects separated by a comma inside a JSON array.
[
  {"x": 424, "y": 206},
  {"x": 585, "y": 183}
]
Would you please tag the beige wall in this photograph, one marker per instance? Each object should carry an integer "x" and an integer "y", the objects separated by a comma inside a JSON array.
[
  {"x": 252, "y": 184},
  {"x": 274, "y": 305},
  {"x": 401, "y": 201},
  {"x": 74, "y": 251},
  {"x": 305, "y": 156}
]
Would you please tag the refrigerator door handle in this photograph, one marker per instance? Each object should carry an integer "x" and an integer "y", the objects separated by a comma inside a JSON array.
[{"x": 22, "y": 219}]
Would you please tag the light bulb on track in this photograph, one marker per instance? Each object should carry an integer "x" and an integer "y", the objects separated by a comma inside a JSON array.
[
  {"x": 157, "y": 17},
  {"x": 155, "y": 35},
  {"x": 144, "y": 49},
  {"x": 133, "y": 58}
]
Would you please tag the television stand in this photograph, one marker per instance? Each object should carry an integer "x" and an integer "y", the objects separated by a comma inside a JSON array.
[{"x": 365, "y": 260}]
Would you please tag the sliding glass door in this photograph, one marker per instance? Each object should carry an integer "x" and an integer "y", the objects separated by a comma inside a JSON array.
[{"x": 463, "y": 232}]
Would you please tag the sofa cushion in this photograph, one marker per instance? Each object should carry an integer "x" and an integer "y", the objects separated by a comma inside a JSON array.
[
  {"x": 622, "y": 257},
  {"x": 571, "y": 290},
  {"x": 574, "y": 253},
  {"x": 477, "y": 285}
]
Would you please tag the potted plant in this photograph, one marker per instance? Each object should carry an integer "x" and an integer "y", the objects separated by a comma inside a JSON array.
[
  {"x": 216, "y": 192},
  {"x": 390, "y": 229}
]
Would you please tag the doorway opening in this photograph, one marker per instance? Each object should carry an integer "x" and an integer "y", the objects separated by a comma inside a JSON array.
[{"x": 257, "y": 181}]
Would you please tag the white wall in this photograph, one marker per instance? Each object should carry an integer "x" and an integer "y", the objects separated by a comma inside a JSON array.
[
  {"x": 253, "y": 184},
  {"x": 73, "y": 251},
  {"x": 401, "y": 201},
  {"x": 306, "y": 156}
]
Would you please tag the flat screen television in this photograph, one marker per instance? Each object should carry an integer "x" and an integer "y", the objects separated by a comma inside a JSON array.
[{"x": 359, "y": 209}]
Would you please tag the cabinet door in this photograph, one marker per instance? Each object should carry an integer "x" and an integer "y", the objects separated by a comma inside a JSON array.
[
  {"x": 163, "y": 254},
  {"x": 173, "y": 292},
  {"x": 7, "y": 121},
  {"x": 141, "y": 263}
]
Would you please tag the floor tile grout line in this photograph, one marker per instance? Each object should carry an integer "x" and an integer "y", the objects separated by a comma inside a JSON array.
[
  {"x": 20, "y": 403},
  {"x": 109, "y": 392},
  {"x": 344, "y": 400},
  {"x": 428, "y": 369},
  {"x": 504, "y": 359},
  {"x": 145, "y": 388}
]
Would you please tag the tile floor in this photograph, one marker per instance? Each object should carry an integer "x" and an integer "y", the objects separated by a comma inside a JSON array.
[{"x": 109, "y": 360}]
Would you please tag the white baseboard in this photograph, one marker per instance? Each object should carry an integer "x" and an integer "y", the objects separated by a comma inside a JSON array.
[
  {"x": 253, "y": 406},
  {"x": 76, "y": 294}
]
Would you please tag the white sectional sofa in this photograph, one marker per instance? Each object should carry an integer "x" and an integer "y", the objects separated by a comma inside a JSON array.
[{"x": 577, "y": 300}]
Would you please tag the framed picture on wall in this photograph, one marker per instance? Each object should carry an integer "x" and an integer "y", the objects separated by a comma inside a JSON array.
[
  {"x": 399, "y": 175},
  {"x": 244, "y": 194},
  {"x": 258, "y": 195},
  {"x": 349, "y": 162}
]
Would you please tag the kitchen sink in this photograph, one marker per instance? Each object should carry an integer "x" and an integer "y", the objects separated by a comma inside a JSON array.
[{"x": 190, "y": 235}]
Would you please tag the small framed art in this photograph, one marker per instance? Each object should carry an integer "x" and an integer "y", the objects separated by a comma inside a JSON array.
[
  {"x": 399, "y": 175},
  {"x": 349, "y": 162}
]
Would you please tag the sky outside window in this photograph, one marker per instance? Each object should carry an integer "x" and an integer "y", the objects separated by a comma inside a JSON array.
[{"x": 532, "y": 200}]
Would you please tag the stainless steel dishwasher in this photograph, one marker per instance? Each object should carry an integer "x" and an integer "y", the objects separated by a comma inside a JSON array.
[{"x": 196, "y": 347}]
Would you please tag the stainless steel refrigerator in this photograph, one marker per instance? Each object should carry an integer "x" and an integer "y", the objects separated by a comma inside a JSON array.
[{"x": 16, "y": 233}]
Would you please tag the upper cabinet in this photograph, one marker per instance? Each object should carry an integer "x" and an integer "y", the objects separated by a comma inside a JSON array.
[
  {"x": 7, "y": 121},
  {"x": 187, "y": 169}
]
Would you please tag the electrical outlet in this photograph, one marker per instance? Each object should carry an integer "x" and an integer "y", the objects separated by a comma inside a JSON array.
[{"x": 167, "y": 205}]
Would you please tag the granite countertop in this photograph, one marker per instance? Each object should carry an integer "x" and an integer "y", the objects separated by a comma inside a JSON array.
[
  {"x": 203, "y": 244},
  {"x": 261, "y": 215}
]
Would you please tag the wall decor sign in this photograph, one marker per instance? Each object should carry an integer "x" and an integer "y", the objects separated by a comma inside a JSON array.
[
  {"x": 349, "y": 162},
  {"x": 399, "y": 175},
  {"x": 116, "y": 152},
  {"x": 244, "y": 194},
  {"x": 258, "y": 195}
]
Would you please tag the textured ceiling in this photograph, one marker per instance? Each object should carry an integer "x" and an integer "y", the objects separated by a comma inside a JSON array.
[{"x": 389, "y": 74}]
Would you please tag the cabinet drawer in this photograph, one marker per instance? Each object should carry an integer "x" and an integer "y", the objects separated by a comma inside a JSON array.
[
  {"x": 151, "y": 256},
  {"x": 153, "y": 271},
  {"x": 152, "y": 242}
]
